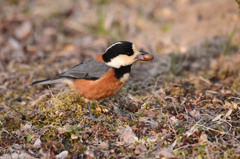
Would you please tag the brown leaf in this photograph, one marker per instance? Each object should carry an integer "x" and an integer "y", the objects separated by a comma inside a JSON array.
[
  {"x": 103, "y": 145},
  {"x": 164, "y": 152},
  {"x": 62, "y": 155},
  {"x": 24, "y": 30},
  {"x": 196, "y": 114},
  {"x": 203, "y": 138},
  {"x": 127, "y": 135}
]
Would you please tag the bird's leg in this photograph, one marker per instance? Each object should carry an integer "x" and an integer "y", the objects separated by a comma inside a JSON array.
[
  {"x": 91, "y": 115},
  {"x": 118, "y": 111}
]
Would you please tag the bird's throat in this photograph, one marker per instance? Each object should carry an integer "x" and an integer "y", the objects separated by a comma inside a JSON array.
[{"x": 122, "y": 73}]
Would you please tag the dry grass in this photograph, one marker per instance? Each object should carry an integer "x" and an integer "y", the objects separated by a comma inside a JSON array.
[{"x": 186, "y": 106}]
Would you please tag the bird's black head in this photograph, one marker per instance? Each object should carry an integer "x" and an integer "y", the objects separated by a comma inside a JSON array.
[
  {"x": 122, "y": 53},
  {"x": 118, "y": 48}
]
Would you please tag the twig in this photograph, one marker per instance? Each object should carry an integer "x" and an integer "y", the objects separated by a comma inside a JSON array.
[
  {"x": 159, "y": 144},
  {"x": 172, "y": 127},
  {"x": 193, "y": 129}
]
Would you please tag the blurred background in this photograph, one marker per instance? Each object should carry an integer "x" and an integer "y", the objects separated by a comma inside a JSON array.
[{"x": 41, "y": 38}]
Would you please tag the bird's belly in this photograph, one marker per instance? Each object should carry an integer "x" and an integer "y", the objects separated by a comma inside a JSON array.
[{"x": 95, "y": 90}]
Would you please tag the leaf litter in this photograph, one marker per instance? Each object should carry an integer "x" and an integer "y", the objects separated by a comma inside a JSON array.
[{"x": 186, "y": 106}]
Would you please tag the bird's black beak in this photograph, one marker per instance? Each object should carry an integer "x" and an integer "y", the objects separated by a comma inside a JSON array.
[{"x": 144, "y": 56}]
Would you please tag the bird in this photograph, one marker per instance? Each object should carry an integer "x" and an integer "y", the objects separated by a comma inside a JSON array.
[{"x": 102, "y": 76}]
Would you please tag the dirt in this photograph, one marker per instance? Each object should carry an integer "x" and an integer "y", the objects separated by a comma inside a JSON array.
[{"x": 184, "y": 104}]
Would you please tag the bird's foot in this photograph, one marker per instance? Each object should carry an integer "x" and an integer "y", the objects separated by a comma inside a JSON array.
[
  {"x": 119, "y": 112},
  {"x": 91, "y": 115},
  {"x": 93, "y": 118}
]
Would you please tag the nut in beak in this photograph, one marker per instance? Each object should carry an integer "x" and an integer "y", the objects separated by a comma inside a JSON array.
[{"x": 144, "y": 56}]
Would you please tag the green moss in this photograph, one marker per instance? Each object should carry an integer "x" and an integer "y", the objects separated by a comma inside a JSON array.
[
  {"x": 78, "y": 149},
  {"x": 50, "y": 134},
  {"x": 118, "y": 151},
  {"x": 179, "y": 91},
  {"x": 11, "y": 124},
  {"x": 180, "y": 131},
  {"x": 201, "y": 148}
]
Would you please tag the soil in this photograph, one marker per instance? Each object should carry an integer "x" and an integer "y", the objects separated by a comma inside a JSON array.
[{"x": 183, "y": 104}]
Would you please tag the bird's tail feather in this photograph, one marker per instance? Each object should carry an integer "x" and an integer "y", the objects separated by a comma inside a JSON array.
[{"x": 50, "y": 81}]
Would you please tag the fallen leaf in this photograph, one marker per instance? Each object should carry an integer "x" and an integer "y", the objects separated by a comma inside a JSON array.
[
  {"x": 17, "y": 156},
  {"x": 140, "y": 148},
  {"x": 174, "y": 120},
  {"x": 203, "y": 138},
  {"x": 196, "y": 114},
  {"x": 181, "y": 116},
  {"x": 217, "y": 117},
  {"x": 235, "y": 106},
  {"x": 103, "y": 145},
  {"x": 164, "y": 153},
  {"x": 24, "y": 30},
  {"x": 62, "y": 130},
  {"x": 229, "y": 113},
  {"x": 127, "y": 135},
  {"x": 149, "y": 113},
  {"x": 62, "y": 155},
  {"x": 26, "y": 127},
  {"x": 74, "y": 136},
  {"x": 37, "y": 143}
]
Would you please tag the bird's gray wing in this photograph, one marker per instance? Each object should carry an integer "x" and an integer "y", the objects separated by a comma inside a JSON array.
[{"x": 90, "y": 70}]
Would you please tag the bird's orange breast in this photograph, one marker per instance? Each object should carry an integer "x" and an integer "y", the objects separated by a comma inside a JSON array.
[{"x": 98, "y": 89}]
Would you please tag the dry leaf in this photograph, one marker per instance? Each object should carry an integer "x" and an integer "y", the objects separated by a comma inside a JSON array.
[
  {"x": 235, "y": 106},
  {"x": 24, "y": 30},
  {"x": 103, "y": 145},
  {"x": 127, "y": 135},
  {"x": 203, "y": 138},
  {"x": 164, "y": 152},
  {"x": 17, "y": 156},
  {"x": 229, "y": 113},
  {"x": 37, "y": 143},
  {"x": 217, "y": 117},
  {"x": 196, "y": 114},
  {"x": 62, "y": 155},
  {"x": 74, "y": 136},
  {"x": 140, "y": 148},
  {"x": 62, "y": 130},
  {"x": 174, "y": 120}
]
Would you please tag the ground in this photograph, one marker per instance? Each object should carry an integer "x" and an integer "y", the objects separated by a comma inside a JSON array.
[{"x": 184, "y": 104}]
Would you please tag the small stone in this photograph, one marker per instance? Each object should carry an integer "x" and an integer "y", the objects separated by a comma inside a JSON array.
[
  {"x": 62, "y": 155},
  {"x": 140, "y": 148},
  {"x": 74, "y": 136},
  {"x": 103, "y": 145},
  {"x": 174, "y": 120},
  {"x": 195, "y": 113},
  {"x": 127, "y": 135},
  {"x": 137, "y": 151},
  {"x": 37, "y": 143}
]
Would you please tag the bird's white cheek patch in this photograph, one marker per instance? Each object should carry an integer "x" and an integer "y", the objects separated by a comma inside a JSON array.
[
  {"x": 121, "y": 60},
  {"x": 124, "y": 78}
]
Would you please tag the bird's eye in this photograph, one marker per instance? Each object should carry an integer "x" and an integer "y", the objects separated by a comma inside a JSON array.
[{"x": 129, "y": 53}]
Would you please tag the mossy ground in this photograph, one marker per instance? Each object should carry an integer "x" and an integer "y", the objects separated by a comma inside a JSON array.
[{"x": 186, "y": 105}]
